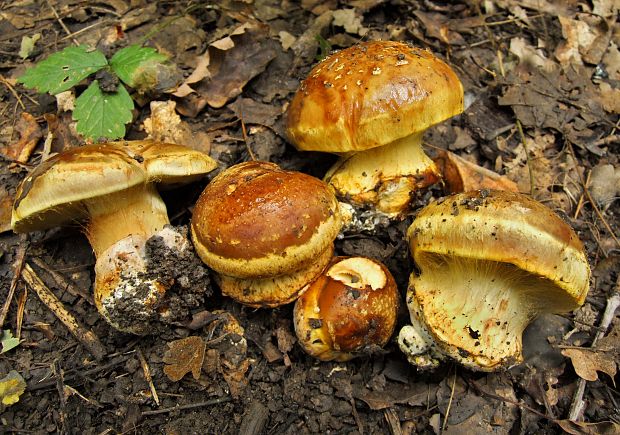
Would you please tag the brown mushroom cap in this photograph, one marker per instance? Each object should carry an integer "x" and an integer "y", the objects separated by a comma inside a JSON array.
[
  {"x": 257, "y": 220},
  {"x": 370, "y": 95},
  {"x": 490, "y": 262},
  {"x": 55, "y": 191},
  {"x": 274, "y": 291},
  {"x": 350, "y": 307}
]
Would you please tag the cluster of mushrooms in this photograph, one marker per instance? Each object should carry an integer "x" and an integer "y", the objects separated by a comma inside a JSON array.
[{"x": 488, "y": 262}]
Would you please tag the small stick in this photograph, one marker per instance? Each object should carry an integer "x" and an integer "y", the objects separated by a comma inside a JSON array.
[
  {"x": 147, "y": 374},
  {"x": 445, "y": 419},
  {"x": 19, "y": 264},
  {"x": 86, "y": 337},
  {"x": 393, "y": 421},
  {"x": 21, "y": 306},
  {"x": 255, "y": 419},
  {"x": 578, "y": 404},
  {"x": 63, "y": 282},
  {"x": 190, "y": 406},
  {"x": 61, "y": 22},
  {"x": 356, "y": 417},
  {"x": 60, "y": 386}
]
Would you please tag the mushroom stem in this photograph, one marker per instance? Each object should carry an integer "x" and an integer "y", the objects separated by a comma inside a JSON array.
[
  {"x": 479, "y": 307},
  {"x": 384, "y": 177},
  {"x": 138, "y": 210}
]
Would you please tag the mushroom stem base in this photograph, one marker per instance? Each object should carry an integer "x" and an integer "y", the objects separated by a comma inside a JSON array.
[
  {"x": 474, "y": 311},
  {"x": 384, "y": 178},
  {"x": 137, "y": 211}
]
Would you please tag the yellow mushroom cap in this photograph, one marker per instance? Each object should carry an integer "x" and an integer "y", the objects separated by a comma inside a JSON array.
[
  {"x": 370, "y": 95},
  {"x": 54, "y": 192},
  {"x": 490, "y": 262}
]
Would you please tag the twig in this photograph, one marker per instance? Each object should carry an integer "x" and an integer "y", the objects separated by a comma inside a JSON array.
[
  {"x": 613, "y": 302},
  {"x": 254, "y": 421},
  {"x": 445, "y": 419},
  {"x": 60, "y": 386},
  {"x": 21, "y": 306},
  {"x": 512, "y": 402},
  {"x": 88, "y": 373},
  {"x": 587, "y": 192},
  {"x": 393, "y": 421},
  {"x": 527, "y": 157},
  {"x": 147, "y": 374},
  {"x": 606, "y": 140},
  {"x": 62, "y": 24},
  {"x": 190, "y": 406},
  {"x": 356, "y": 417},
  {"x": 86, "y": 337},
  {"x": 13, "y": 91},
  {"x": 19, "y": 264},
  {"x": 245, "y": 138},
  {"x": 63, "y": 282}
]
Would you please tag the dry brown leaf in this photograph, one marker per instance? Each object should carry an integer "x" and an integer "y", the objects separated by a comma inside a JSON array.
[
  {"x": 6, "y": 203},
  {"x": 462, "y": 176},
  {"x": 165, "y": 125},
  {"x": 610, "y": 98},
  {"x": 29, "y": 134},
  {"x": 439, "y": 26},
  {"x": 588, "y": 362},
  {"x": 184, "y": 356},
  {"x": 232, "y": 62},
  {"x": 350, "y": 20},
  {"x": 414, "y": 395},
  {"x": 604, "y": 184},
  {"x": 528, "y": 54},
  {"x": 582, "y": 428}
]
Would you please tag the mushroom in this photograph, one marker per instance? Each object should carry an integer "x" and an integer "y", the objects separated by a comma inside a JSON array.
[
  {"x": 371, "y": 103},
  {"x": 349, "y": 310},
  {"x": 489, "y": 262},
  {"x": 266, "y": 231},
  {"x": 112, "y": 187}
]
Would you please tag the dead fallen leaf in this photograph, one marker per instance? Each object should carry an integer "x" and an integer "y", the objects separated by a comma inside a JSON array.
[
  {"x": 462, "y": 176},
  {"x": 588, "y": 362},
  {"x": 530, "y": 55},
  {"x": 184, "y": 356},
  {"x": 233, "y": 61},
  {"x": 604, "y": 184},
  {"x": 439, "y": 26},
  {"x": 29, "y": 134},
  {"x": 610, "y": 98},
  {"x": 253, "y": 112},
  {"x": 350, "y": 20},
  {"x": 165, "y": 125},
  {"x": 414, "y": 395},
  {"x": 6, "y": 203},
  {"x": 582, "y": 428}
]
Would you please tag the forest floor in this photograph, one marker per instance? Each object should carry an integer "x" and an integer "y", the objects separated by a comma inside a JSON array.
[{"x": 541, "y": 80}]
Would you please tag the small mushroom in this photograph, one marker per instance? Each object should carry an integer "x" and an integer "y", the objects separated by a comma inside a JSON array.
[
  {"x": 112, "y": 187},
  {"x": 489, "y": 263},
  {"x": 266, "y": 231},
  {"x": 371, "y": 103},
  {"x": 349, "y": 310}
]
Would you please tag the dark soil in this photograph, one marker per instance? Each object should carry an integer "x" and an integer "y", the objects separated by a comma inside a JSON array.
[{"x": 255, "y": 378}]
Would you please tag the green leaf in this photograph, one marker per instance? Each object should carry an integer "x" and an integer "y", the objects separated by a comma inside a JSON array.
[
  {"x": 11, "y": 387},
  {"x": 136, "y": 65},
  {"x": 102, "y": 115},
  {"x": 63, "y": 70},
  {"x": 8, "y": 341}
]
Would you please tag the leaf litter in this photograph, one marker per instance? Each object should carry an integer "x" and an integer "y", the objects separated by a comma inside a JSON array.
[{"x": 542, "y": 89}]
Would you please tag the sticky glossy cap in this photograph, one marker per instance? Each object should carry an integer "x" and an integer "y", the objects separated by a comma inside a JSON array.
[{"x": 369, "y": 95}]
